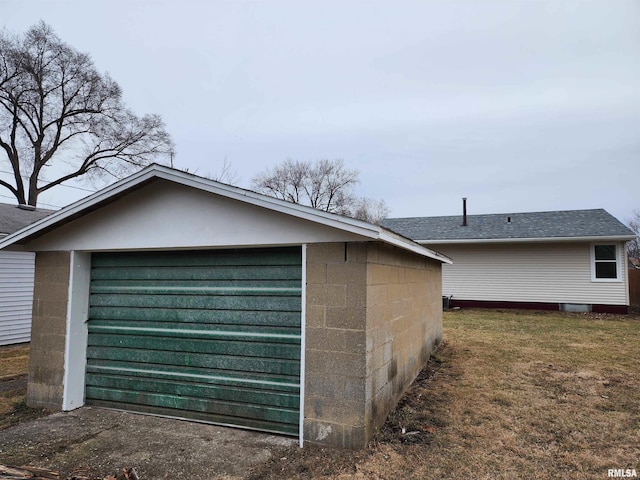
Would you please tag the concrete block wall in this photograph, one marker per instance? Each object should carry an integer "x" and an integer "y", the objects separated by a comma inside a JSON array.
[
  {"x": 374, "y": 314},
  {"x": 336, "y": 370},
  {"x": 48, "y": 330},
  {"x": 404, "y": 324}
]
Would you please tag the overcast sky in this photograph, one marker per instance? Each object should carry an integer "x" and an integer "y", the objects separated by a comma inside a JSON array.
[{"x": 519, "y": 106}]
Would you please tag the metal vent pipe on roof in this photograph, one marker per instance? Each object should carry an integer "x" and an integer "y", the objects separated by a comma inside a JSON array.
[{"x": 464, "y": 211}]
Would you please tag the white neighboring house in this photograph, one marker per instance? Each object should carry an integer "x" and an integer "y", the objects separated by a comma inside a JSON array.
[
  {"x": 16, "y": 276},
  {"x": 562, "y": 260}
]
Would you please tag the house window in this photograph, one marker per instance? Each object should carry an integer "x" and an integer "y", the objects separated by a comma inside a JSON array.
[{"x": 605, "y": 263}]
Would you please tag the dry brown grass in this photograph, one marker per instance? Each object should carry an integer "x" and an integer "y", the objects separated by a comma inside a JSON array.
[
  {"x": 14, "y": 364},
  {"x": 511, "y": 395},
  {"x": 14, "y": 361}
]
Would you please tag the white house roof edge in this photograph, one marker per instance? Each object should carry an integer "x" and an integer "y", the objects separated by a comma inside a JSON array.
[
  {"x": 618, "y": 238},
  {"x": 350, "y": 225}
]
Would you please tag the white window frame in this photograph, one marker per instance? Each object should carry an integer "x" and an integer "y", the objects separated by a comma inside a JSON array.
[{"x": 618, "y": 278}]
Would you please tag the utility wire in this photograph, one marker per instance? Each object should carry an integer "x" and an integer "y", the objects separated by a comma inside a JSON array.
[
  {"x": 61, "y": 185},
  {"x": 44, "y": 204}
]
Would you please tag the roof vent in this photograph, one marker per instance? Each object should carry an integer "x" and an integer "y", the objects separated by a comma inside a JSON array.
[
  {"x": 24, "y": 206},
  {"x": 464, "y": 212},
  {"x": 508, "y": 219}
]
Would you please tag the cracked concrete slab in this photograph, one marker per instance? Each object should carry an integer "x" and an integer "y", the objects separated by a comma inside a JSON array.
[{"x": 105, "y": 441}]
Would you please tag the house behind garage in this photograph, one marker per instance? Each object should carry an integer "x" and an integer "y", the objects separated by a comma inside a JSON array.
[
  {"x": 171, "y": 294},
  {"x": 568, "y": 260},
  {"x": 16, "y": 275}
]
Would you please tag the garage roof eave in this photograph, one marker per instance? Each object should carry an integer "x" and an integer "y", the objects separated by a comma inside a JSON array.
[
  {"x": 391, "y": 238},
  {"x": 152, "y": 172}
]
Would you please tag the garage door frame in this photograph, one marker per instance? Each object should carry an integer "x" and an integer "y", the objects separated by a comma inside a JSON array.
[{"x": 77, "y": 332}]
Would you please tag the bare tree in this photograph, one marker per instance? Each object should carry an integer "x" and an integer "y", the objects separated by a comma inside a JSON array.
[
  {"x": 324, "y": 184},
  {"x": 227, "y": 174},
  {"x": 633, "y": 246},
  {"x": 56, "y": 107},
  {"x": 370, "y": 210}
]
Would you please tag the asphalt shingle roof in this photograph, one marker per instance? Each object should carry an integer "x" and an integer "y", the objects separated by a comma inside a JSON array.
[
  {"x": 13, "y": 218},
  {"x": 537, "y": 225}
]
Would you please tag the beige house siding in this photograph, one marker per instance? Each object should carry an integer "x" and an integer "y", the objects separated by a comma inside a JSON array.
[
  {"x": 46, "y": 358},
  {"x": 374, "y": 314},
  {"x": 528, "y": 272}
]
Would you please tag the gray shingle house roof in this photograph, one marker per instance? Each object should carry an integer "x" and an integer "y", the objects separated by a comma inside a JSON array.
[
  {"x": 568, "y": 224},
  {"x": 13, "y": 218}
]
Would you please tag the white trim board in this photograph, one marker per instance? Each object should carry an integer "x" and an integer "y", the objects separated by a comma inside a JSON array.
[
  {"x": 303, "y": 342},
  {"x": 75, "y": 355}
]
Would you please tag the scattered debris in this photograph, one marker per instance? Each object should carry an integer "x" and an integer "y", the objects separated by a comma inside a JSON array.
[
  {"x": 79, "y": 474},
  {"x": 34, "y": 473}
]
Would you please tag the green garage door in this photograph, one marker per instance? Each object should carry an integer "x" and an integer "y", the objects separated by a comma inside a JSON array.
[{"x": 209, "y": 335}]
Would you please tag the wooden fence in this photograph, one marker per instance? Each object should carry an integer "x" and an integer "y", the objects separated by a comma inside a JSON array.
[{"x": 634, "y": 287}]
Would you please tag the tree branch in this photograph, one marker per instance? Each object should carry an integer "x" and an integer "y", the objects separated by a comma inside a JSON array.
[{"x": 53, "y": 96}]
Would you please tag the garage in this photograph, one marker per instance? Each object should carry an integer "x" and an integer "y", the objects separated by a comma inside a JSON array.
[
  {"x": 206, "y": 335},
  {"x": 175, "y": 295}
]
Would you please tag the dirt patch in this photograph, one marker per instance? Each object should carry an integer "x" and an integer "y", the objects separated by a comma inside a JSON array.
[
  {"x": 417, "y": 417},
  {"x": 104, "y": 441},
  {"x": 101, "y": 442}
]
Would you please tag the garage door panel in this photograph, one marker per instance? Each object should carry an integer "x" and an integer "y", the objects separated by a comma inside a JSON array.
[
  {"x": 194, "y": 404},
  {"x": 204, "y": 302},
  {"x": 232, "y": 393},
  {"x": 235, "y": 258},
  {"x": 214, "y": 344},
  {"x": 227, "y": 274},
  {"x": 288, "y": 428},
  {"x": 246, "y": 333},
  {"x": 197, "y": 287},
  {"x": 278, "y": 333},
  {"x": 212, "y": 336},
  {"x": 287, "y": 384},
  {"x": 212, "y": 362},
  {"x": 237, "y": 318}
]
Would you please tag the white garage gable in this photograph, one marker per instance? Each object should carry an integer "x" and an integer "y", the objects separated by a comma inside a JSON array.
[{"x": 165, "y": 214}]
